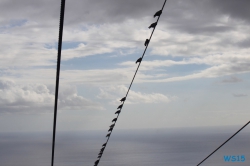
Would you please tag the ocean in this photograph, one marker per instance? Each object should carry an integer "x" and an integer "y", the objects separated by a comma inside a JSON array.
[{"x": 147, "y": 147}]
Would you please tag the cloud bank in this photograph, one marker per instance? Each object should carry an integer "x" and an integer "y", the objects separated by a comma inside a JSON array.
[{"x": 38, "y": 98}]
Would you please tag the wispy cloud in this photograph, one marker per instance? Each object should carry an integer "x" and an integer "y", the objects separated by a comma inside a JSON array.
[
  {"x": 240, "y": 95},
  {"x": 232, "y": 79},
  {"x": 114, "y": 92}
]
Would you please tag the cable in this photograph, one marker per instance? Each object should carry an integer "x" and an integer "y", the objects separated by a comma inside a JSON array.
[
  {"x": 223, "y": 143},
  {"x": 97, "y": 161},
  {"x": 57, "y": 75}
]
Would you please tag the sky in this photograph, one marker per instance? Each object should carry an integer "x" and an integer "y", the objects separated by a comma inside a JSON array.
[{"x": 195, "y": 71}]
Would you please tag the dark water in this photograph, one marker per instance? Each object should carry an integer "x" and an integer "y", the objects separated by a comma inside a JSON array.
[{"x": 168, "y": 147}]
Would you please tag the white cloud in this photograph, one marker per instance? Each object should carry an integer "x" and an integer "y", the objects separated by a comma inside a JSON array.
[
  {"x": 113, "y": 93},
  {"x": 215, "y": 71},
  {"x": 38, "y": 98}
]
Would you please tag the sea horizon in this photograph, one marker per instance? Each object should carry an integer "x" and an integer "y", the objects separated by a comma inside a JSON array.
[{"x": 169, "y": 146}]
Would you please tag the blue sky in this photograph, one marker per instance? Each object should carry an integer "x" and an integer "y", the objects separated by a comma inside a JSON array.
[{"x": 194, "y": 73}]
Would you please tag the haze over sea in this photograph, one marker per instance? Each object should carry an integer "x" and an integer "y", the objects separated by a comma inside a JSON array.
[{"x": 151, "y": 147}]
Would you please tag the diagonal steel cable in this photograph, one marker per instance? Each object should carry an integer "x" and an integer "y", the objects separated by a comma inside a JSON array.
[
  {"x": 223, "y": 143},
  {"x": 97, "y": 162}
]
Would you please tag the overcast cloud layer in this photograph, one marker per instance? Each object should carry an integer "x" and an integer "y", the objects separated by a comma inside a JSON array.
[{"x": 194, "y": 40}]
